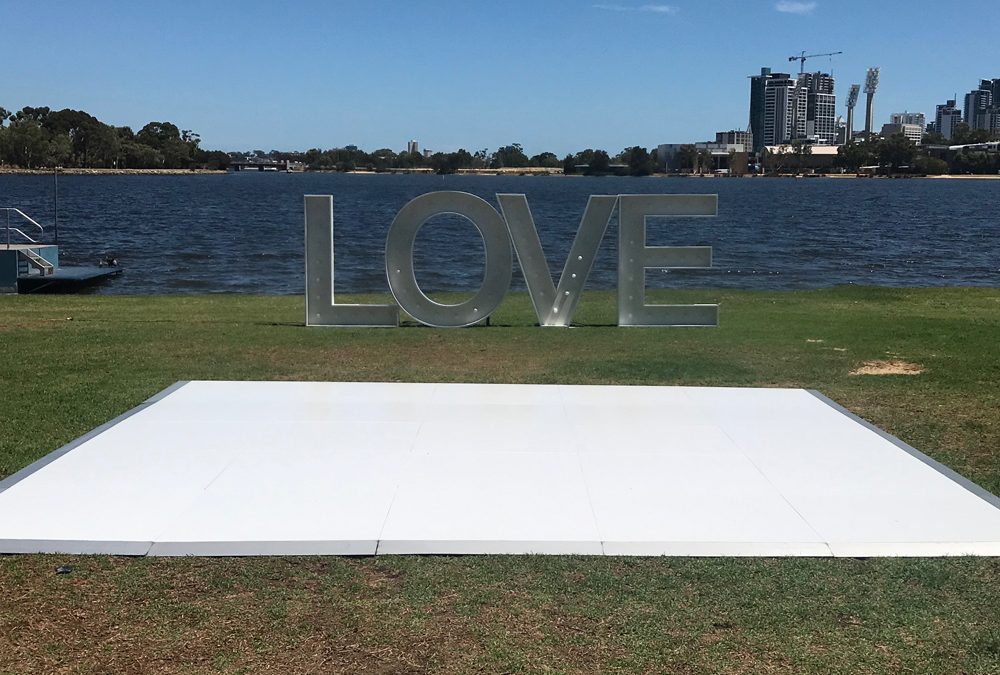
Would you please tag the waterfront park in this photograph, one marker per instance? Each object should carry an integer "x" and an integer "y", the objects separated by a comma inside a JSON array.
[
  {"x": 443, "y": 337},
  {"x": 920, "y": 363}
]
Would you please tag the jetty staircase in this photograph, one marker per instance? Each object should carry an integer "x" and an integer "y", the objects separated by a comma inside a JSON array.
[
  {"x": 28, "y": 257},
  {"x": 29, "y": 263}
]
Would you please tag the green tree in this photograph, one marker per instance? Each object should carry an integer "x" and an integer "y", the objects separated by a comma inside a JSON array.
[
  {"x": 775, "y": 161},
  {"x": 410, "y": 160},
  {"x": 600, "y": 164},
  {"x": 510, "y": 156},
  {"x": 548, "y": 160},
  {"x": 26, "y": 143},
  {"x": 855, "y": 155},
  {"x": 382, "y": 159},
  {"x": 462, "y": 159},
  {"x": 584, "y": 157},
  {"x": 932, "y": 166},
  {"x": 165, "y": 138},
  {"x": 801, "y": 150},
  {"x": 139, "y": 156},
  {"x": 60, "y": 151},
  {"x": 974, "y": 161},
  {"x": 896, "y": 151},
  {"x": 687, "y": 157},
  {"x": 27, "y": 113},
  {"x": 639, "y": 161},
  {"x": 705, "y": 161},
  {"x": 450, "y": 162},
  {"x": 480, "y": 159},
  {"x": 158, "y": 134}
]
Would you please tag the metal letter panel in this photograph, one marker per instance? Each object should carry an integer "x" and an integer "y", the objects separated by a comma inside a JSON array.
[
  {"x": 399, "y": 259},
  {"x": 321, "y": 308},
  {"x": 634, "y": 257},
  {"x": 555, "y": 306}
]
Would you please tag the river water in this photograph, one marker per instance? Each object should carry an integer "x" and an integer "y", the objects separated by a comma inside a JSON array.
[{"x": 243, "y": 233}]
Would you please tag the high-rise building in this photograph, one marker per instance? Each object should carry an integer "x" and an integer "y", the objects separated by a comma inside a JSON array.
[
  {"x": 821, "y": 108},
  {"x": 977, "y": 102},
  {"x": 908, "y": 118},
  {"x": 734, "y": 137},
  {"x": 784, "y": 110},
  {"x": 757, "y": 85},
  {"x": 992, "y": 86},
  {"x": 993, "y": 119},
  {"x": 412, "y": 146},
  {"x": 947, "y": 118},
  {"x": 992, "y": 115}
]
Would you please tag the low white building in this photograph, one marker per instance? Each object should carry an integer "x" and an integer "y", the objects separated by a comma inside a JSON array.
[
  {"x": 912, "y": 132},
  {"x": 669, "y": 159},
  {"x": 784, "y": 157}
]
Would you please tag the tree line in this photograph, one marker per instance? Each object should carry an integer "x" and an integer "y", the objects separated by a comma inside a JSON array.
[
  {"x": 898, "y": 154},
  {"x": 32, "y": 138},
  {"x": 636, "y": 161}
]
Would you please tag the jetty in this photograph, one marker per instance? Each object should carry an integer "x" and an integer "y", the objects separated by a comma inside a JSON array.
[{"x": 29, "y": 264}]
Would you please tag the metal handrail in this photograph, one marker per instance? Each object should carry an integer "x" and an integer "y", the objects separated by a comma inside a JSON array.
[
  {"x": 11, "y": 209},
  {"x": 21, "y": 232}
]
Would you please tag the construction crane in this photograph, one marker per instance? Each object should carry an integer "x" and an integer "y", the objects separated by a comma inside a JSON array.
[{"x": 801, "y": 58}]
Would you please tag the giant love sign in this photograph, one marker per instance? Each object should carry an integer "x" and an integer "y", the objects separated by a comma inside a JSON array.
[{"x": 554, "y": 305}]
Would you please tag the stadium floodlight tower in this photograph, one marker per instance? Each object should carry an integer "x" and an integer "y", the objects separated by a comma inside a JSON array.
[
  {"x": 871, "y": 84},
  {"x": 852, "y": 100}
]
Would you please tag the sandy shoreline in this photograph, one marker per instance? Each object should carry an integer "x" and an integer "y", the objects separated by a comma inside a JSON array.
[{"x": 11, "y": 171}]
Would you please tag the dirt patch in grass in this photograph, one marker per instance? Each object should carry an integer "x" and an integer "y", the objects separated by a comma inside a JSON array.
[
  {"x": 11, "y": 325},
  {"x": 892, "y": 367}
]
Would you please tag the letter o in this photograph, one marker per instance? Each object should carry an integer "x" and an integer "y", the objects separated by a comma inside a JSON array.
[{"x": 399, "y": 259}]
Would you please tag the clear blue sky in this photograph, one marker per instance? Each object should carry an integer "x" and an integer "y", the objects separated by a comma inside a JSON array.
[{"x": 557, "y": 75}]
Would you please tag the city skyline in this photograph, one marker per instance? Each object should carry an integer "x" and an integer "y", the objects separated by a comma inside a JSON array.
[{"x": 559, "y": 77}]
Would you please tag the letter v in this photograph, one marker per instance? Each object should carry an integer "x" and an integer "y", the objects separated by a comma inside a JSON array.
[{"x": 556, "y": 306}]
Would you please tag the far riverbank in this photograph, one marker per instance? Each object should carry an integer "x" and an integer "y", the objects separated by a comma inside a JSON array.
[
  {"x": 531, "y": 171},
  {"x": 15, "y": 171}
]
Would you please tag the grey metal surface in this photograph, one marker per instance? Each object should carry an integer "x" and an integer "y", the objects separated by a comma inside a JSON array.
[
  {"x": 980, "y": 492},
  {"x": 259, "y": 548},
  {"x": 634, "y": 257},
  {"x": 75, "y": 547},
  {"x": 555, "y": 306},
  {"x": 321, "y": 307},
  {"x": 399, "y": 259},
  {"x": 18, "y": 476}
]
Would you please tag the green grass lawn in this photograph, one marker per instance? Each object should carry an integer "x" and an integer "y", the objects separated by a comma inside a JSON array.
[{"x": 71, "y": 363}]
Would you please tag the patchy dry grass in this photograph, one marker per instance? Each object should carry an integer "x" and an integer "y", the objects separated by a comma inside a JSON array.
[
  {"x": 498, "y": 613},
  {"x": 891, "y": 367}
]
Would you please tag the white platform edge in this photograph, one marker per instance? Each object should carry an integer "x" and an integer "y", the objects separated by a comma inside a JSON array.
[
  {"x": 20, "y": 475},
  {"x": 388, "y": 547},
  {"x": 136, "y": 548},
  {"x": 945, "y": 471}
]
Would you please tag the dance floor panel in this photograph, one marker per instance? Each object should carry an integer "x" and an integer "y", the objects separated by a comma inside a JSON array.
[{"x": 337, "y": 468}]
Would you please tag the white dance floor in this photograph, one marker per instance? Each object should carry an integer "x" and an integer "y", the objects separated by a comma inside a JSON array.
[{"x": 263, "y": 468}]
